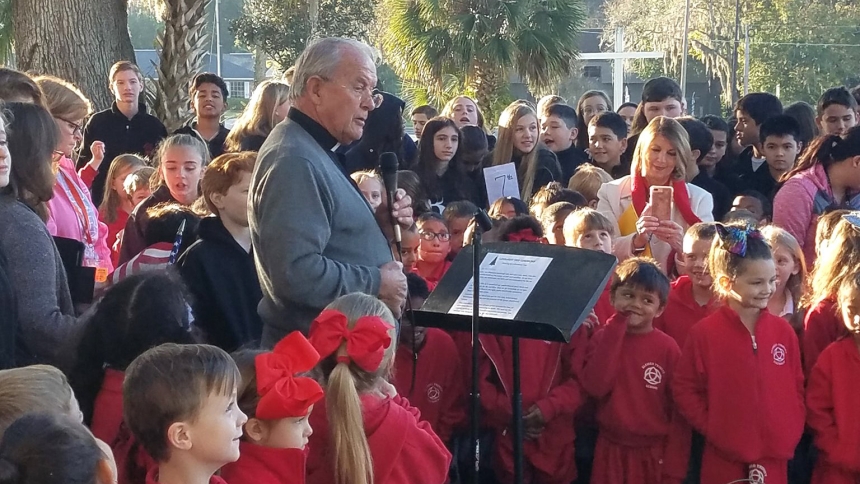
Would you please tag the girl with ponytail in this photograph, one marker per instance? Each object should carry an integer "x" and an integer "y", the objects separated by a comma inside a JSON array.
[
  {"x": 365, "y": 433},
  {"x": 826, "y": 177}
]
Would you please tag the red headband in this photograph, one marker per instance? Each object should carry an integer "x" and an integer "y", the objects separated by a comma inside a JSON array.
[
  {"x": 524, "y": 235},
  {"x": 282, "y": 394},
  {"x": 365, "y": 342}
]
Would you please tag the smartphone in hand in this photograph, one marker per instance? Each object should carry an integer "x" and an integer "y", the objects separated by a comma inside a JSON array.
[{"x": 661, "y": 202}]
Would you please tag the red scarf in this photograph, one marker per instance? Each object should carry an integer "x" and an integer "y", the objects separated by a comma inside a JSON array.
[{"x": 679, "y": 192}]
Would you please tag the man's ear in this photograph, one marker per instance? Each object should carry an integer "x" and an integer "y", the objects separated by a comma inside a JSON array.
[
  {"x": 624, "y": 145},
  {"x": 314, "y": 86},
  {"x": 593, "y": 204},
  {"x": 574, "y": 133}
]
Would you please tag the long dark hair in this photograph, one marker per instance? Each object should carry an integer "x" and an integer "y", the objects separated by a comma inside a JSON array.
[
  {"x": 425, "y": 166},
  {"x": 140, "y": 312},
  {"x": 32, "y": 135},
  {"x": 45, "y": 448},
  {"x": 827, "y": 150}
]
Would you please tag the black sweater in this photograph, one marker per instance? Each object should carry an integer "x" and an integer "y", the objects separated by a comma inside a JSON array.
[
  {"x": 548, "y": 169},
  {"x": 569, "y": 160},
  {"x": 140, "y": 134},
  {"x": 454, "y": 185},
  {"x": 223, "y": 282},
  {"x": 216, "y": 144}
]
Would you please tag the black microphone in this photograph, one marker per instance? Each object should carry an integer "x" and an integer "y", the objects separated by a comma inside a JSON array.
[
  {"x": 483, "y": 220},
  {"x": 388, "y": 165}
]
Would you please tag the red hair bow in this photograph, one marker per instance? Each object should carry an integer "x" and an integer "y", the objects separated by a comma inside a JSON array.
[
  {"x": 524, "y": 235},
  {"x": 365, "y": 342},
  {"x": 282, "y": 393}
]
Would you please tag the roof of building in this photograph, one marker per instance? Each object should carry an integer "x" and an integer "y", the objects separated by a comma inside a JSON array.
[{"x": 234, "y": 66}]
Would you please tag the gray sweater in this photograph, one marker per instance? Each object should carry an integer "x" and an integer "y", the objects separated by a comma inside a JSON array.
[
  {"x": 314, "y": 236},
  {"x": 46, "y": 315}
]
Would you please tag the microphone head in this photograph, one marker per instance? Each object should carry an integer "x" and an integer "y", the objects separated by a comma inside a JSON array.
[
  {"x": 483, "y": 220},
  {"x": 388, "y": 165}
]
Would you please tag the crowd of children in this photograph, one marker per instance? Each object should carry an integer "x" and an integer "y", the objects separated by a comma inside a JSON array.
[{"x": 718, "y": 352}]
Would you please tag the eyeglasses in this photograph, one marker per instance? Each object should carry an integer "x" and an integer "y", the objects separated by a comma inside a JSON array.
[
  {"x": 75, "y": 127},
  {"x": 375, "y": 95},
  {"x": 429, "y": 236}
]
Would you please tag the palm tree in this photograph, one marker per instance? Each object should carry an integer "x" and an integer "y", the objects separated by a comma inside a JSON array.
[
  {"x": 6, "y": 33},
  {"x": 481, "y": 41},
  {"x": 182, "y": 46}
]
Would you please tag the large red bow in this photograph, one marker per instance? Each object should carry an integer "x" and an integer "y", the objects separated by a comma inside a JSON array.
[
  {"x": 365, "y": 342},
  {"x": 524, "y": 235},
  {"x": 282, "y": 394}
]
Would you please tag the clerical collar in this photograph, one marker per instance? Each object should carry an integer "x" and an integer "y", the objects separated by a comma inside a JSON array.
[{"x": 317, "y": 132}]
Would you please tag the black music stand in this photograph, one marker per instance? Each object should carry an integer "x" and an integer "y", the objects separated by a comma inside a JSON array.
[{"x": 561, "y": 299}]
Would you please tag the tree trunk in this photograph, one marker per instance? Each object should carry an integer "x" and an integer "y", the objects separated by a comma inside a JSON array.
[
  {"x": 486, "y": 82},
  {"x": 314, "y": 16},
  {"x": 77, "y": 40},
  {"x": 182, "y": 44},
  {"x": 260, "y": 68}
]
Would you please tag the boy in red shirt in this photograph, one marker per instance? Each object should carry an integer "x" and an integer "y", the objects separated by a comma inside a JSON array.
[
  {"x": 691, "y": 298},
  {"x": 833, "y": 397},
  {"x": 180, "y": 404},
  {"x": 629, "y": 361},
  {"x": 433, "y": 383},
  {"x": 739, "y": 380}
]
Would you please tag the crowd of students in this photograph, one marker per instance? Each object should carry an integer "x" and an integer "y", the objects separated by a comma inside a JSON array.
[{"x": 719, "y": 351}]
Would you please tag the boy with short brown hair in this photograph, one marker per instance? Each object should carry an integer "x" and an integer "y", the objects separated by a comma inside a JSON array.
[{"x": 180, "y": 404}]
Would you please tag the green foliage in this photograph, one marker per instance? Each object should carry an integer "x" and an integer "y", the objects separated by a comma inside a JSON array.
[
  {"x": 281, "y": 28},
  {"x": 803, "y": 48},
  {"x": 800, "y": 46},
  {"x": 443, "y": 47}
]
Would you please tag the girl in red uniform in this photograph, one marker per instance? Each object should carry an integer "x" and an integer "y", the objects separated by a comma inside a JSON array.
[
  {"x": 629, "y": 361},
  {"x": 739, "y": 380},
  {"x": 365, "y": 433},
  {"x": 822, "y": 324},
  {"x": 278, "y": 404},
  {"x": 832, "y": 394}
]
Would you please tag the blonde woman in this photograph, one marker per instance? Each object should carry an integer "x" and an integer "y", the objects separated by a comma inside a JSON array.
[
  {"x": 268, "y": 107},
  {"x": 660, "y": 159},
  {"x": 518, "y": 144}
]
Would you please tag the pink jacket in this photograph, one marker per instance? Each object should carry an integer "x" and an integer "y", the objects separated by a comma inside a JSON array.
[
  {"x": 798, "y": 204},
  {"x": 63, "y": 219}
]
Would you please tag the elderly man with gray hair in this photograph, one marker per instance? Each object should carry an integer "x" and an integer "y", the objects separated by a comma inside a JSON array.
[{"x": 314, "y": 236}]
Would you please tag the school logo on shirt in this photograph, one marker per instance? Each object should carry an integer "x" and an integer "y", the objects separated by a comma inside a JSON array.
[
  {"x": 653, "y": 375},
  {"x": 757, "y": 474},
  {"x": 434, "y": 392},
  {"x": 778, "y": 352}
]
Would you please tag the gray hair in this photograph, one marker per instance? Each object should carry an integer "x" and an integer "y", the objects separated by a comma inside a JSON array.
[{"x": 321, "y": 58}]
